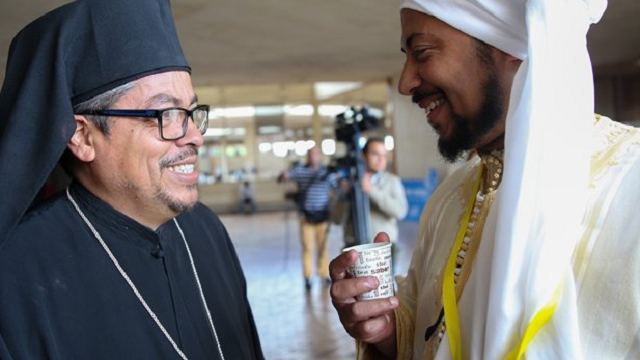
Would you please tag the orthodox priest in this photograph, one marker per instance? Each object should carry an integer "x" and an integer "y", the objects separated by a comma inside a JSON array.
[
  {"x": 124, "y": 263},
  {"x": 532, "y": 249}
]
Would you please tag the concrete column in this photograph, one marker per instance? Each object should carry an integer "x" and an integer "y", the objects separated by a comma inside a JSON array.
[
  {"x": 251, "y": 143},
  {"x": 224, "y": 162},
  {"x": 316, "y": 122}
]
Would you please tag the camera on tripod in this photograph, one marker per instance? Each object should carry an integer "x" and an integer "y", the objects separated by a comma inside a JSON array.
[
  {"x": 354, "y": 121},
  {"x": 348, "y": 127}
]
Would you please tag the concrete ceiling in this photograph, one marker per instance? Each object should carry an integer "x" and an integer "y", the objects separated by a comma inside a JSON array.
[{"x": 265, "y": 51}]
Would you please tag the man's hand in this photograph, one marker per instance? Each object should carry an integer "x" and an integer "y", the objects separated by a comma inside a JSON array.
[
  {"x": 371, "y": 321},
  {"x": 284, "y": 176},
  {"x": 366, "y": 183}
]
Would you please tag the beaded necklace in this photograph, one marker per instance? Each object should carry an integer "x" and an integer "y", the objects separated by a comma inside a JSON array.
[
  {"x": 487, "y": 180},
  {"x": 135, "y": 289}
]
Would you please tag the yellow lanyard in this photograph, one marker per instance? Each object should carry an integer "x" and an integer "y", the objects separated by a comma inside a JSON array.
[
  {"x": 451, "y": 315},
  {"x": 537, "y": 322}
]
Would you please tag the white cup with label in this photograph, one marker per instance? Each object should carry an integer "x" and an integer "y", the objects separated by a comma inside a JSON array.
[{"x": 374, "y": 260}]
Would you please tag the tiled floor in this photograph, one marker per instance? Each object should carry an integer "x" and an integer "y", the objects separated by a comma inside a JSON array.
[{"x": 292, "y": 323}]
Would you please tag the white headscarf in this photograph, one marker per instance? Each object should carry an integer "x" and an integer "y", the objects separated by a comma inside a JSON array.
[{"x": 537, "y": 214}]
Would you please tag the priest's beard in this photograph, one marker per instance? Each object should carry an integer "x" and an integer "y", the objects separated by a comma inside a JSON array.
[
  {"x": 176, "y": 205},
  {"x": 469, "y": 131},
  {"x": 173, "y": 202}
]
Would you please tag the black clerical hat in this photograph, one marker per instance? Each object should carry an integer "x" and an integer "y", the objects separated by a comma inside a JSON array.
[{"x": 65, "y": 57}]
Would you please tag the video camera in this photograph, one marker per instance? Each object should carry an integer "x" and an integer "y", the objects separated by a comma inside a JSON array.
[
  {"x": 354, "y": 121},
  {"x": 348, "y": 127}
]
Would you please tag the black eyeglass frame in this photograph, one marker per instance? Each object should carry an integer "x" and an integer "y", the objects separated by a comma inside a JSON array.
[{"x": 155, "y": 113}]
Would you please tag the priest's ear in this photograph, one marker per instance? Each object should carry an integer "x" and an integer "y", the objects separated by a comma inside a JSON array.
[{"x": 81, "y": 144}]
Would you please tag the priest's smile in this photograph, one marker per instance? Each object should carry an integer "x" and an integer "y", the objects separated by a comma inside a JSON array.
[{"x": 185, "y": 172}]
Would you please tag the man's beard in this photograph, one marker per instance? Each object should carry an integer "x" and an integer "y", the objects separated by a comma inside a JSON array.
[
  {"x": 468, "y": 132},
  {"x": 176, "y": 205}
]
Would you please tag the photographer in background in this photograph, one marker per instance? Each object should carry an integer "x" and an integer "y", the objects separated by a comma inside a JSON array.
[
  {"x": 314, "y": 182},
  {"x": 387, "y": 199}
]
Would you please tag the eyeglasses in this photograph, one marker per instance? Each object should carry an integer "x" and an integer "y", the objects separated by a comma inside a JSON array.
[{"x": 172, "y": 122}]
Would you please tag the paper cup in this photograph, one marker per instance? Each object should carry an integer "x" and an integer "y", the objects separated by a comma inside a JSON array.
[{"x": 374, "y": 260}]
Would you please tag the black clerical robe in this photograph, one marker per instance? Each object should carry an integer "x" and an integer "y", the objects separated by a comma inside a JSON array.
[{"x": 61, "y": 296}]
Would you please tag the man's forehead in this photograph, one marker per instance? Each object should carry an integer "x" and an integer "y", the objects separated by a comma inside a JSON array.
[
  {"x": 164, "y": 98},
  {"x": 172, "y": 87},
  {"x": 413, "y": 20},
  {"x": 417, "y": 25},
  {"x": 498, "y": 23}
]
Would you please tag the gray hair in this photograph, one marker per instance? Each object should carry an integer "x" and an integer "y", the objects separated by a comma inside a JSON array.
[
  {"x": 99, "y": 102},
  {"x": 102, "y": 102}
]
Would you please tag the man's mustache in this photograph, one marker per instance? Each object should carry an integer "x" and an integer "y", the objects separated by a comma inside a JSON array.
[{"x": 184, "y": 155}]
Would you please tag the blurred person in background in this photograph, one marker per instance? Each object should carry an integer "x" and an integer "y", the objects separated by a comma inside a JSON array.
[
  {"x": 246, "y": 199},
  {"x": 315, "y": 183},
  {"x": 387, "y": 198}
]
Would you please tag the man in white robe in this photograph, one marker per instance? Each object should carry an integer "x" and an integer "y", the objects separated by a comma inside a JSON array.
[{"x": 530, "y": 250}]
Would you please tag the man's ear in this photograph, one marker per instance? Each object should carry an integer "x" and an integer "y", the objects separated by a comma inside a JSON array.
[
  {"x": 511, "y": 63},
  {"x": 82, "y": 141},
  {"x": 507, "y": 66},
  {"x": 514, "y": 63}
]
